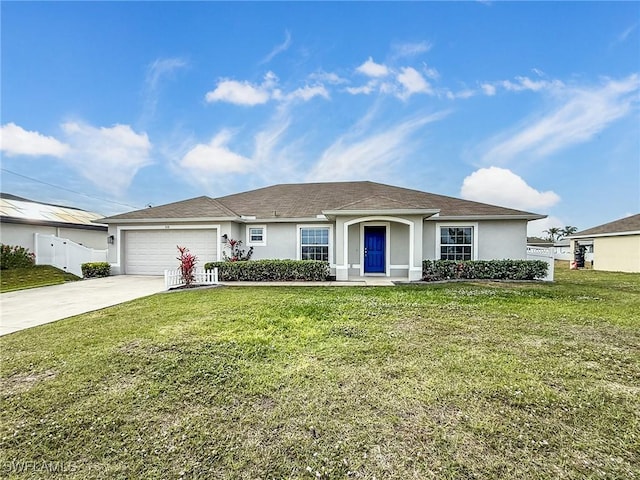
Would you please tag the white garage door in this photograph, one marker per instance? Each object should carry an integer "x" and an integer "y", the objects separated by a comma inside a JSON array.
[{"x": 150, "y": 252}]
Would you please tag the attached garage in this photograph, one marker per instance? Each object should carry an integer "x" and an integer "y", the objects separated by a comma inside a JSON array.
[{"x": 151, "y": 251}]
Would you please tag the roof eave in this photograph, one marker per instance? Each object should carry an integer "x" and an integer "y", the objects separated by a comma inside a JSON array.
[
  {"x": 610, "y": 234},
  {"x": 50, "y": 223},
  {"x": 527, "y": 217},
  {"x": 114, "y": 221},
  {"x": 382, "y": 211}
]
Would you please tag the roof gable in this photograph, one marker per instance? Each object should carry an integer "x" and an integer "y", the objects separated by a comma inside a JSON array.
[{"x": 377, "y": 202}]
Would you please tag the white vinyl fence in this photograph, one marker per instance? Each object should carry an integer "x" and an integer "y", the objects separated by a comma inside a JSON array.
[
  {"x": 544, "y": 254},
  {"x": 173, "y": 278},
  {"x": 64, "y": 254}
]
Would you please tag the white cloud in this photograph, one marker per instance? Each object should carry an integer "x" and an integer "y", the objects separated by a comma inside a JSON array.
[
  {"x": 307, "y": 93},
  {"x": 215, "y": 157},
  {"x": 499, "y": 186},
  {"x": 583, "y": 113},
  {"x": 248, "y": 94},
  {"x": 107, "y": 156},
  {"x": 15, "y": 140},
  {"x": 243, "y": 93},
  {"x": 162, "y": 67},
  {"x": 412, "y": 82},
  {"x": 410, "y": 49},
  {"x": 364, "y": 89},
  {"x": 359, "y": 154},
  {"x": 156, "y": 71},
  {"x": 464, "y": 94},
  {"x": 278, "y": 48},
  {"x": 328, "y": 77},
  {"x": 625, "y": 33},
  {"x": 525, "y": 83},
  {"x": 488, "y": 89},
  {"x": 430, "y": 72},
  {"x": 373, "y": 69}
]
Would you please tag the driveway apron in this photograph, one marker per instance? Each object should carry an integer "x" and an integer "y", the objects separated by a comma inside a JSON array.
[{"x": 28, "y": 308}]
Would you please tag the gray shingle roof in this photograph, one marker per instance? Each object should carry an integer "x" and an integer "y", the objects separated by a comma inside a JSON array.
[
  {"x": 627, "y": 224},
  {"x": 306, "y": 200},
  {"x": 311, "y": 199},
  {"x": 200, "y": 207}
]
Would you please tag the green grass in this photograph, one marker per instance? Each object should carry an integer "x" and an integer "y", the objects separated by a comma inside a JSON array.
[
  {"x": 31, "y": 277},
  {"x": 487, "y": 380}
]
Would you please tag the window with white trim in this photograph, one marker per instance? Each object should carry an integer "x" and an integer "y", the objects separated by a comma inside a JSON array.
[
  {"x": 456, "y": 243},
  {"x": 314, "y": 243},
  {"x": 256, "y": 235}
]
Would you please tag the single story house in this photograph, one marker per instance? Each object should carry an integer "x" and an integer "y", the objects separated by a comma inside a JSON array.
[
  {"x": 360, "y": 228},
  {"x": 616, "y": 245},
  {"x": 21, "y": 218}
]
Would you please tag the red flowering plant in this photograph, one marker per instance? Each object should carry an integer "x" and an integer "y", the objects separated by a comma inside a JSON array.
[
  {"x": 187, "y": 265},
  {"x": 236, "y": 253}
]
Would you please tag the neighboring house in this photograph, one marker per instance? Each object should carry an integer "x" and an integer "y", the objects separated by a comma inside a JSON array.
[
  {"x": 20, "y": 219},
  {"x": 539, "y": 242},
  {"x": 360, "y": 228},
  {"x": 616, "y": 245}
]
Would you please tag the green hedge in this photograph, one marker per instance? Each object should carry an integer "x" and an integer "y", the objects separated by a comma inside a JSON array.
[
  {"x": 270, "y": 270},
  {"x": 96, "y": 269},
  {"x": 434, "y": 270},
  {"x": 15, "y": 257}
]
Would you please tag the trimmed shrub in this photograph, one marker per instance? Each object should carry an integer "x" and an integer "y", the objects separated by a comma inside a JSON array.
[
  {"x": 15, "y": 257},
  {"x": 96, "y": 269},
  {"x": 270, "y": 270},
  {"x": 434, "y": 270}
]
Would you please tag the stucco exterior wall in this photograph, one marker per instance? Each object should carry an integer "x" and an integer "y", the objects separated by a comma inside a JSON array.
[
  {"x": 495, "y": 239},
  {"x": 429, "y": 241},
  {"x": 617, "y": 254},
  {"x": 23, "y": 235},
  {"x": 505, "y": 239},
  {"x": 281, "y": 242}
]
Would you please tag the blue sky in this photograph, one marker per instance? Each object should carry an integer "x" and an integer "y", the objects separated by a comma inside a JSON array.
[{"x": 114, "y": 106}]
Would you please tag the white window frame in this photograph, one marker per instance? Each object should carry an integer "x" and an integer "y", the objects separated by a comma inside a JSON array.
[
  {"x": 313, "y": 225},
  {"x": 474, "y": 237},
  {"x": 262, "y": 243}
]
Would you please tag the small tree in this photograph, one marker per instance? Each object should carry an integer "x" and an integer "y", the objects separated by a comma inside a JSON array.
[
  {"x": 554, "y": 234},
  {"x": 187, "y": 265},
  {"x": 236, "y": 253},
  {"x": 568, "y": 230}
]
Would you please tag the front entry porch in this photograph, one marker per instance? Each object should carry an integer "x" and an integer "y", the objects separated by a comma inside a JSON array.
[{"x": 388, "y": 248}]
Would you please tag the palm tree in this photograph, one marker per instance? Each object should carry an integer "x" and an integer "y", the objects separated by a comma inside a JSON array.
[
  {"x": 554, "y": 233},
  {"x": 568, "y": 230}
]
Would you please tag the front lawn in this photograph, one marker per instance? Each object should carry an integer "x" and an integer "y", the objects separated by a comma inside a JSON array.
[
  {"x": 30, "y": 277},
  {"x": 487, "y": 380}
]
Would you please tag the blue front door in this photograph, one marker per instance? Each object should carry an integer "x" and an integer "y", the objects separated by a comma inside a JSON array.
[{"x": 374, "y": 249}]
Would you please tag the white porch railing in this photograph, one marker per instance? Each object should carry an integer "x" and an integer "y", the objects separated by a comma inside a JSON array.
[
  {"x": 546, "y": 255},
  {"x": 64, "y": 254},
  {"x": 173, "y": 278}
]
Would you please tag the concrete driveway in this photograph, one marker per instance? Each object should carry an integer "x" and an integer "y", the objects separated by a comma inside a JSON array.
[{"x": 36, "y": 306}]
